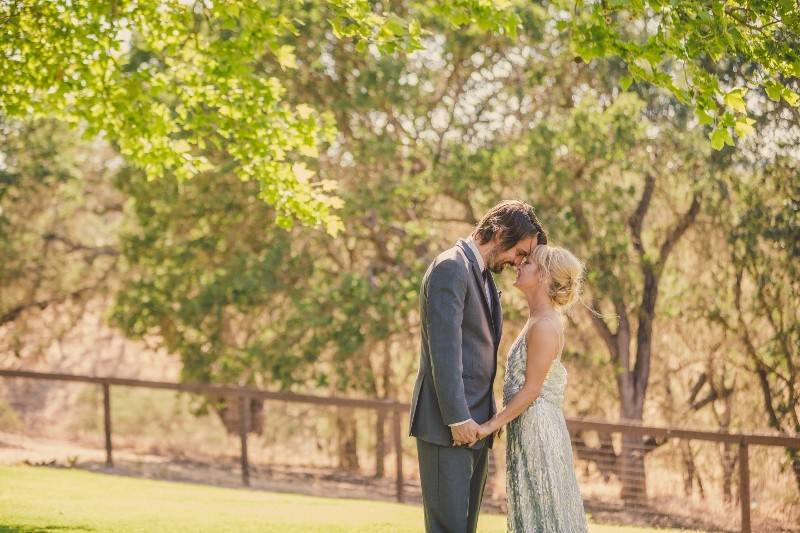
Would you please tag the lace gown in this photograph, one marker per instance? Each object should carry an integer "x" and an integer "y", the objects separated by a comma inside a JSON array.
[{"x": 542, "y": 490}]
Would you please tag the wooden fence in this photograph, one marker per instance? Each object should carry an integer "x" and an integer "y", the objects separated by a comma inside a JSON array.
[
  {"x": 394, "y": 409},
  {"x": 244, "y": 394}
]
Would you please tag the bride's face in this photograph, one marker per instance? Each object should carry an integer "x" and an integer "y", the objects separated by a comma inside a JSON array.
[{"x": 529, "y": 276}]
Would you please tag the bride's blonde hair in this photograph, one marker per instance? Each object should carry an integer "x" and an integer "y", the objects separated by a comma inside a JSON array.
[{"x": 566, "y": 274}]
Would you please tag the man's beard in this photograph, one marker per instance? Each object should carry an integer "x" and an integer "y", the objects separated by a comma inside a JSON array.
[{"x": 491, "y": 261}]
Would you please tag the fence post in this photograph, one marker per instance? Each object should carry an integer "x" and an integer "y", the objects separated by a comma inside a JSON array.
[
  {"x": 744, "y": 485},
  {"x": 380, "y": 444},
  {"x": 398, "y": 450},
  {"x": 107, "y": 423},
  {"x": 244, "y": 422}
]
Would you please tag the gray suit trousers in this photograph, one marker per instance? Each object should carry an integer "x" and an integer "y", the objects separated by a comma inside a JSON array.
[{"x": 452, "y": 481}]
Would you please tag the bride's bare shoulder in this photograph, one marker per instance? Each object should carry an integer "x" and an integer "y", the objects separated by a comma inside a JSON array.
[{"x": 545, "y": 331}]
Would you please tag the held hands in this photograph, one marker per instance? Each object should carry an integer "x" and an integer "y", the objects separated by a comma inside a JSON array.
[
  {"x": 470, "y": 432},
  {"x": 487, "y": 428},
  {"x": 466, "y": 433}
]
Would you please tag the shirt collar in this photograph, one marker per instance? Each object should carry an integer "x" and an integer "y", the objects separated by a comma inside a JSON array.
[{"x": 474, "y": 247}]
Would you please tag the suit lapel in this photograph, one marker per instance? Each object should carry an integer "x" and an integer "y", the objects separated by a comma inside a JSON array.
[{"x": 473, "y": 261}]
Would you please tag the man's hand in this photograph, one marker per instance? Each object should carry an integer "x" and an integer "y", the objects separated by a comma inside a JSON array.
[{"x": 465, "y": 433}]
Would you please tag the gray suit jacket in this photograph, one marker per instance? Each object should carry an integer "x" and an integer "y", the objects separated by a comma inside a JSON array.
[{"x": 460, "y": 337}]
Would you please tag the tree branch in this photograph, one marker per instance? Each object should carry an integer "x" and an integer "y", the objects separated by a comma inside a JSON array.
[
  {"x": 678, "y": 230},
  {"x": 761, "y": 369},
  {"x": 637, "y": 218},
  {"x": 72, "y": 246},
  {"x": 602, "y": 328}
]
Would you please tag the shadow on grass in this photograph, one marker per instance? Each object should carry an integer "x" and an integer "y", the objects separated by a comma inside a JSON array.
[{"x": 9, "y": 528}]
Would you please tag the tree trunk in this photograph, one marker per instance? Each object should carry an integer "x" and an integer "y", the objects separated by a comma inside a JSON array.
[
  {"x": 630, "y": 462},
  {"x": 632, "y": 471},
  {"x": 729, "y": 459},
  {"x": 795, "y": 457},
  {"x": 227, "y": 408},
  {"x": 631, "y": 458},
  {"x": 346, "y": 440},
  {"x": 604, "y": 457},
  {"x": 632, "y": 382},
  {"x": 688, "y": 468}
]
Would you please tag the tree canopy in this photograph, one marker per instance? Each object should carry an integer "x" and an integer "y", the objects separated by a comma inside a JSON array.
[{"x": 185, "y": 87}]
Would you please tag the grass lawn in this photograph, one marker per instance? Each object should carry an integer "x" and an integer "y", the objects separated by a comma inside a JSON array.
[{"x": 47, "y": 499}]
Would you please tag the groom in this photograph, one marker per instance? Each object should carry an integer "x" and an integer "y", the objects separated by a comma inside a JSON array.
[{"x": 462, "y": 323}]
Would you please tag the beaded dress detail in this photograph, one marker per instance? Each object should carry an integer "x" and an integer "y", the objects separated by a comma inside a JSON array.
[{"x": 543, "y": 494}]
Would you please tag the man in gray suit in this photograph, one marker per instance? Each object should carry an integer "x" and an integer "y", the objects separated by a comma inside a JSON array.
[{"x": 462, "y": 322}]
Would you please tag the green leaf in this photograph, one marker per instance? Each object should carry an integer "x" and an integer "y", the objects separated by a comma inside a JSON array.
[
  {"x": 328, "y": 185},
  {"x": 625, "y": 82},
  {"x": 744, "y": 126},
  {"x": 720, "y": 137},
  {"x": 791, "y": 97},
  {"x": 704, "y": 118},
  {"x": 727, "y": 120},
  {"x": 309, "y": 150},
  {"x": 334, "y": 226},
  {"x": 395, "y": 25},
  {"x": 511, "y": 27},
  {"x": 302, "y": 172},
  {"x": 773, "y": 90},
  {"x": 336, "y": 27},
  {"x": 181, "y": 145},
  {"x": 285, "y": 56},
  {"x": 414, "y": 28},
  {"x": 735, "y": 99},
  {"x": 304, "y": 111}
]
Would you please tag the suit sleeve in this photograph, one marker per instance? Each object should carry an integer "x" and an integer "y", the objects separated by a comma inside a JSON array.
[{"x": 444, "y": 311}]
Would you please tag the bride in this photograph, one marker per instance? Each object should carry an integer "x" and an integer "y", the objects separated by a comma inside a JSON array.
[{"x": 542, "y": 490}]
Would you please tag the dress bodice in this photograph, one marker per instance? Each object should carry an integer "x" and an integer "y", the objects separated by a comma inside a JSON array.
[{"x": 554, "y": 384}]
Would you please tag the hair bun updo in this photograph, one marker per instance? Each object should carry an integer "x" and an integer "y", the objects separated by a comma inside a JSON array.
[{"x": 565, "y": 272}]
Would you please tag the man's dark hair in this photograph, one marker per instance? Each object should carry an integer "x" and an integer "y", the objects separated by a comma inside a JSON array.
[{"x": 513, "y": 221}]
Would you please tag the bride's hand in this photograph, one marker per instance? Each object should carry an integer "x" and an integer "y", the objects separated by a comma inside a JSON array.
[
  {"x": 496, "y": 428},
  {"x": 484, "y": 430},
  {"x": 493, "y": 427}
]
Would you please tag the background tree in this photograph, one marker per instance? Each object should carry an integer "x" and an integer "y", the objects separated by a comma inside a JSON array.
[
  {"x": 164, "y": 79},
  {"x": 760, "y": 214},
  {"x": 678, "y": 46},
  {"x": 55, "y": 191}
]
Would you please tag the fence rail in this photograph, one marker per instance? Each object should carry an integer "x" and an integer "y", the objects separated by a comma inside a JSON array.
[
  {"x": 394, "y": 408},
  {"x": 243, "y": 394}
]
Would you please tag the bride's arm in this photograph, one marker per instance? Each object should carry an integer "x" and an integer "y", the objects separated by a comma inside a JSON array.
[{"x": 542, "y": 347}]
